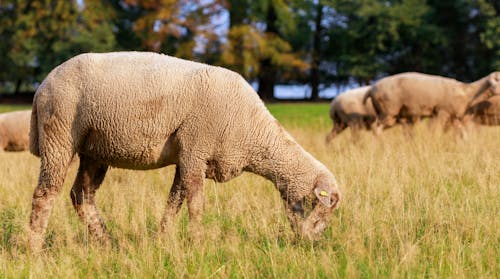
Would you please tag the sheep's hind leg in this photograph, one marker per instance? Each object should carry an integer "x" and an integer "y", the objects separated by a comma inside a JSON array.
[
  {"x": 88, "y": 180},
  {"x": 174, "y": 203},
  {"x": 52, "y": 173}
]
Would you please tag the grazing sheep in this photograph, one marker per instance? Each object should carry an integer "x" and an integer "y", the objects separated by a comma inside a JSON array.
[
  {"x": 485, "y": 112},
  {"x": 14, "y": 130},
  {"x": 143, "y": 111},
  {"x": 348, "y": 110},
  {"x": 415, "y": 95}
]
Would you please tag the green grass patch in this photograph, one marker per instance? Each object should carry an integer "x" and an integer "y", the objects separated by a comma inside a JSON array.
[
  {"x": 7, "y": 108},
  {"x": 296, "y": 115}
]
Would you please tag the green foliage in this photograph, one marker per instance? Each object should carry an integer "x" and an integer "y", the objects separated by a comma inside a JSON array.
[
  {"x": 296, "y": 41},
  {"x": 490, "y": 36},
  {"x": 248, "y": 44},
  {"x": 39, "y": 35}
]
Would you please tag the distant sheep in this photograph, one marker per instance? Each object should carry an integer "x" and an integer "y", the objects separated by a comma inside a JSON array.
[
  {"x": 415, "y": 95},
  {"x": 14, "y": 130},
  {"x": 485, "y": 112},
  {"x": 348, "y": 110},
  {"x": 143, "y": 111}
]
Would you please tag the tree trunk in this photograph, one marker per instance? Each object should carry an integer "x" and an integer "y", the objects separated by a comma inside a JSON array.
[
  {"x": 17, "y": 90},
  {"x": 316, "y": 53},
  {"x": 237, "y": 16},
  {"x": 267, "y": 80},
  {"x": 268, "y": 71}
]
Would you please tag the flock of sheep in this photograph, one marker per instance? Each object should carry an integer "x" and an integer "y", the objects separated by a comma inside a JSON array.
[
  {"x": 406, "y": 98},
  {"x": 138, "y": 110}
]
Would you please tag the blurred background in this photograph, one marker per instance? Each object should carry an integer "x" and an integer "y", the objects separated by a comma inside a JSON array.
[{"x": 287, "y": 49}]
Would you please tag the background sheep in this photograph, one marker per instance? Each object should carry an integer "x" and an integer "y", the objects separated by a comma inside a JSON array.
[
  {"x": 348, "y": 110},
  {"x": 485, "y": 112},
  {"x": 143, "y": 111},
  {"x": 414, "y": 95},
  {"x": 14, "y": 130}
]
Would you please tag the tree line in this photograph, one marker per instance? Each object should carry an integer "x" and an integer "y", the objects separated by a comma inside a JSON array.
[{"x": 315, "y": 42}]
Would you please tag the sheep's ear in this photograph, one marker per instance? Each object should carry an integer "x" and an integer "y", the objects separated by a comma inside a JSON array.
[
  {"x": 491, "y": 79},
  {"x": 494, "y": 82},
  {"x": 324, "y": 195}
]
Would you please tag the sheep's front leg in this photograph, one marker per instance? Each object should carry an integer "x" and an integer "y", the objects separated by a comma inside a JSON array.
[
  {"x": 174, "y": 203},
  {"x": 196, "y": 204},
  {"x": 88, "y": 180},
  {"x": 440, "y": 122},
  {"x": 337, "y": 129},
  {"x": 407, "y": 127},
  {"x": 457, "y": 123}
]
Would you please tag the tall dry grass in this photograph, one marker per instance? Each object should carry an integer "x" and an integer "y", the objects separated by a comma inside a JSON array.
[{"x": 420, "y": 206}]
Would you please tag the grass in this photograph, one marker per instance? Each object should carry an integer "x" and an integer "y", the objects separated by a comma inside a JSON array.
[
  {"x": 7, "y": 108},
  {"x": 412, "y": 208}
]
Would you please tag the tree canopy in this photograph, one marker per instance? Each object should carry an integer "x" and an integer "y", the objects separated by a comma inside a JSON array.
[{"x": 316, "y": 42}]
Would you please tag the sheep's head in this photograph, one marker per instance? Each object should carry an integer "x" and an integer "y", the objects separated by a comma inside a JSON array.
[
  {"x": 310, "y": 215},
  {"x": 494, "y": 81}
]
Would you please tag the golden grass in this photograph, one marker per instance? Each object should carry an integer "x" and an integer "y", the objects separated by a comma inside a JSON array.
[{"x": 421, "y": 207}]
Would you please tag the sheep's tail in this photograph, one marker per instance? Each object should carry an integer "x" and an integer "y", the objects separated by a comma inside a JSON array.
[
  {"x": 34, "y": 146},
  {"x": 368, "y": 94}
]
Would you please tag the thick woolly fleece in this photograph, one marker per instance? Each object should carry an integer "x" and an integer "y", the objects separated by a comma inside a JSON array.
[
  {"x": 142, "y": 111},
  {"x": 348, "y": 110},
  {"x": 14, "y": 130},
  {"x": 417, "y": 95}
]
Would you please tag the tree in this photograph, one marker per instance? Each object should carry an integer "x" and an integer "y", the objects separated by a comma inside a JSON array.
[
  {"x": 256, "y": 47},
  {"x": 490, "y": 13},
  {"x": 267, "y": 70},
  {"x": 168, "y": 26},
  {"x": 316, "y": 51},
  {"x": 39, "y": 35}
]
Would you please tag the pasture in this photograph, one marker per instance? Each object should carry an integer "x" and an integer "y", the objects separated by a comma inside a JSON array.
[{"x": 425, "y": 206}]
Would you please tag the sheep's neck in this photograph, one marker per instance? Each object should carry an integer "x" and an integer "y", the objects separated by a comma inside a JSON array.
[
  {"x": 279, "y": 161},
  {"x": 474, "y": 89}
]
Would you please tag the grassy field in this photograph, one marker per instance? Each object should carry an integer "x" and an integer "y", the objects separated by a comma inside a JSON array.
[
  {"x": 419, "y": 207},
  {"x": 7, "y": 108}
]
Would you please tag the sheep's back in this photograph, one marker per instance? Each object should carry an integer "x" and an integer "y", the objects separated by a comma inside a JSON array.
[{"x": 133, "y": 110}]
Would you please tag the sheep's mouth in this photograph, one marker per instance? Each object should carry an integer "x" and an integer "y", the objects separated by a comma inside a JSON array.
[{"x": 305, "y": 207}]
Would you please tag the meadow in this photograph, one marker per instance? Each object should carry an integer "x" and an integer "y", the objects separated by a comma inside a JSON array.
[{"x": 424, "y": 206}]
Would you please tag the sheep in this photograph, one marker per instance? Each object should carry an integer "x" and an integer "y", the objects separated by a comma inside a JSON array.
[
  {"x": 414, "y": 95},
  {"x": 485, "y": 112},
  {"x": 140, "y": 110},
  {"x": 348, "y": 110},
  {"x": 14, "y": 130}
]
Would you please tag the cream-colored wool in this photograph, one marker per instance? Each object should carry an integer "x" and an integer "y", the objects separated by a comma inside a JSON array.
[
  {"x": 142, "y": 111},
  {"x": 410, "y": 95},
  {"x": 348, "y": 110},
  {"x": 14, "y": 130}
]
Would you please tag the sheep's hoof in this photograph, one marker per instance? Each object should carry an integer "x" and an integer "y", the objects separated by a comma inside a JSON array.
[
  {"x": 195, "y": 234},
  {"x": 35, "y": 243},
  {"x": 103, "y": 240}
]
